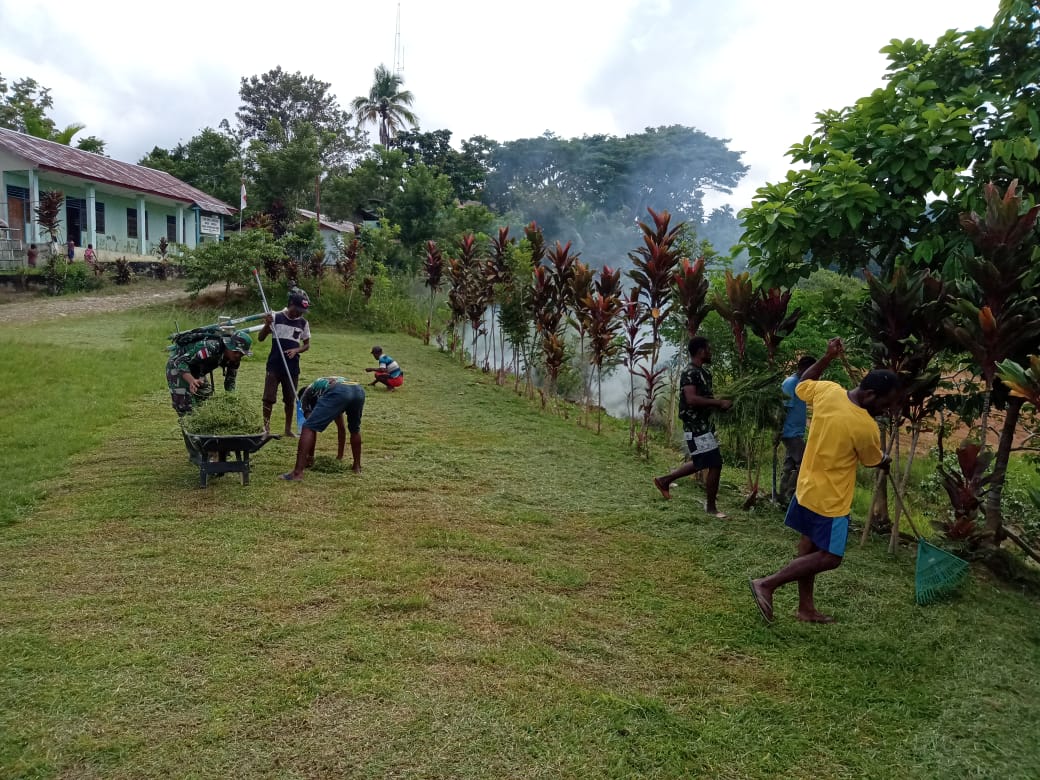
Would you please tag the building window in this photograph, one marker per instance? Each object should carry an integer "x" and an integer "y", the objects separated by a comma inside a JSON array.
[
  {"x": 131, "y": 223},
  {"x": 99, "y": 216},
  {"x": 171, "y": 228},
  {"x": 146, "y": 236}
]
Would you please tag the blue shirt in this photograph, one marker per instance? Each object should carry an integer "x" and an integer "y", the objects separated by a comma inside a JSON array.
[
  {"x": 389, "y": 365},
  {"x": 794, "y": 421}
]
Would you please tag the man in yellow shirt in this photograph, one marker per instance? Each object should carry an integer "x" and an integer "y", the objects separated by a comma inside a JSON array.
[{"x": 842, "y": 435}]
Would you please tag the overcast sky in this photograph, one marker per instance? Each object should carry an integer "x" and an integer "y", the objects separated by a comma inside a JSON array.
[{"x": 754, "y": 72}]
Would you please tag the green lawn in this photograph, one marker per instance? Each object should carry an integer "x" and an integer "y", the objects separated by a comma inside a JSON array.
[{"x": 501, "y": 593}]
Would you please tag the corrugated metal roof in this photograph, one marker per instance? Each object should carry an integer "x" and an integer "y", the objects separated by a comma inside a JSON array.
[
  {"x": 339, "y": 227},
  {"x": 52, "y": 156}
]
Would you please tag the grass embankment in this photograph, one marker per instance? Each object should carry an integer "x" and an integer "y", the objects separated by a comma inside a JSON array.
[{"x": 501, "y": 593}]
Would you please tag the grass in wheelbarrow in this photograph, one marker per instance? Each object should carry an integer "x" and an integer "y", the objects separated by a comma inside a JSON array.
[{"x": 224, "y": 415}]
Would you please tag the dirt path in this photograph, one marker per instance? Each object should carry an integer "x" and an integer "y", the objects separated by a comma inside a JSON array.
[{"x": 28, "y": 308}]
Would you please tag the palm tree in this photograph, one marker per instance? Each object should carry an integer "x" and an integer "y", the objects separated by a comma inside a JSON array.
[{"x": 386, "y": 105}]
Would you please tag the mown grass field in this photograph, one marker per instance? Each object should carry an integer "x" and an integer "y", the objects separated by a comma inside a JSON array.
[{"x": 501, "y": 593}]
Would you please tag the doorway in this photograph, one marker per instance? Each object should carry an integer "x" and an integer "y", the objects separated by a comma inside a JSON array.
[{"x": 74, "y": 208}]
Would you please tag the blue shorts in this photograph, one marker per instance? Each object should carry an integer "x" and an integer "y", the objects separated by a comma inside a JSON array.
[
  {"x": 827, "y": 533},
  {"x": 337, "y": 400}
]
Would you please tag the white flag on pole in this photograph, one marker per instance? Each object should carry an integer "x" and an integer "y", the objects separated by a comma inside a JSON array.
[{"x": 243, "y": 204}]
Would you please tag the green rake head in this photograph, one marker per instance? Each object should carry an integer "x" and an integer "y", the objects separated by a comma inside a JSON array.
[{"x": 938, "y": 572}]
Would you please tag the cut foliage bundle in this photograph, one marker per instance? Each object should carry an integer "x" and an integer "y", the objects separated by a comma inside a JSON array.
[{"x": 224, "y": 415}]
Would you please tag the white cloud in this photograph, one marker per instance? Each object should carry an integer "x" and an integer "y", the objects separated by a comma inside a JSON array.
[{"x": 751, "y": 71}]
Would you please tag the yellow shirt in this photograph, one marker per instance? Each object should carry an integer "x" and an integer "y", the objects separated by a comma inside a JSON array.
[{"x": 841, "y": 435}]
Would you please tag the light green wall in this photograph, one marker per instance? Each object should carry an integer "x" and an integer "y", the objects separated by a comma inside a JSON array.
[{"x": 113, "y": 238}]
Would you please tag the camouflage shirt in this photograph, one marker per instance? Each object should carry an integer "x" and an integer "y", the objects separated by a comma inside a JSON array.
[
  {"x": 696, "y": 419},
  {"x": 202, "y": 356}
]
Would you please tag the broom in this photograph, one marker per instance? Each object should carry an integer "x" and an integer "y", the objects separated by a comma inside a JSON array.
[{"x": 938, "y": 573}]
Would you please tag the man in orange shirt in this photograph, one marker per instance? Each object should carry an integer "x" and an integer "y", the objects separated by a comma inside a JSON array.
[{"x": 842, "y": 435}]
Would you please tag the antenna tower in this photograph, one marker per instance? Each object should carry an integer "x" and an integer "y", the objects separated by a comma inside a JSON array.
[{"x": 398, "y": 52}]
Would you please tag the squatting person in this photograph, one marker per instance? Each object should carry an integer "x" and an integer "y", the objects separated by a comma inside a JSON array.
[{"x": 387, "y": 371}]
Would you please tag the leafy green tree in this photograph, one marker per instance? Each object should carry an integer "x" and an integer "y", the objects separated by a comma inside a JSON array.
[
  {"x": 387, "y": 105},
  {"x": 473, "y": 218},
  {"x": 210, "y": 161},
  {"x": 285, "y": 174},
  {"x": 596, "y": 188},
  {"x": 884, "y": 181},
  {"x": 91, "y": 144},
  {"x": 368, "y": 188},
  {"x": 421, "y": 206},
  {"x": 381, "y": 250},
  {"x": 299, "y": 104},
  {"x": 303, "y": 241},
  {"x": 466, "y": 170},
  {"x": 230, "y": 261},
  {"x": 23, "y": 107}
]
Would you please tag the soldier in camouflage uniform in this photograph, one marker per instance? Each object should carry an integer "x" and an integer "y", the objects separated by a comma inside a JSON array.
[
  {"x": 696, "y": 405},
  {"x": 187, "y": 368}
]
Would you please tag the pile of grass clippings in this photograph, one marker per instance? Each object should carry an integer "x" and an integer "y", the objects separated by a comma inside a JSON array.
[
  {"x": 227, "y": 414},
  {"x": 757, "y": 401},
  {"x": 326, "y": 464}
]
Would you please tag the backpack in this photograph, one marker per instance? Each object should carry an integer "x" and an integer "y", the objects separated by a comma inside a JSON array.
[{"x": 186, "y": 338}]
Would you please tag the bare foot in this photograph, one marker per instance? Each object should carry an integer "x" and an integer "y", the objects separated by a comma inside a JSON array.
[
  {"x": 813, "y": 616},
  {"x": 763, "y": 600},
  {"x": 662, "y": 487},
  {"x": 289, "y": 435}
]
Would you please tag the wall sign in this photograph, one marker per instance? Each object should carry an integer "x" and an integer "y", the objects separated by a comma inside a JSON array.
[{"x": 209, "y": 225}]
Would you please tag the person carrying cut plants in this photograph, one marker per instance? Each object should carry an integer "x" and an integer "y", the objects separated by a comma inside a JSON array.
[
  {"x": 793, "y": 433},
  {"x": 387, "y": 372},
  {"x": 842, "y": 435},
  {"x": 196, "y": 355},
  {"x": 696, "y": 406},
  {"x": 292, "y": 336},
  {"x": 327, "y": 400}
]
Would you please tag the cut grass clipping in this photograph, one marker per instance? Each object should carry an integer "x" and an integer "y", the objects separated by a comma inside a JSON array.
[
  {"x": 326, "y": 464},
  {"x": 224, "y": 415}
]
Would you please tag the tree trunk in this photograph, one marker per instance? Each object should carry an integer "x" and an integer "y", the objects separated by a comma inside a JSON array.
[
  {"x": 599, "y": 399},
  {"x": 879, "y": 503},
  {"x": 893, "y": 537},
  {"x": 994, "y": 519}
]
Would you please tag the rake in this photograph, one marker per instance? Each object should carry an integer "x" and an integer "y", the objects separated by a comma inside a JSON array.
[{"x": 938, "y": 573}]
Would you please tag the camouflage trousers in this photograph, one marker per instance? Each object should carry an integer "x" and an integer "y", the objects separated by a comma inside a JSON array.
[{"x": 183, "y": 399}]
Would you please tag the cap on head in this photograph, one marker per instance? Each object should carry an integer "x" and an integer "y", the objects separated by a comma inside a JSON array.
[
  {"x": 239, "y": 341},
  {"x": 299, "y": 299}
]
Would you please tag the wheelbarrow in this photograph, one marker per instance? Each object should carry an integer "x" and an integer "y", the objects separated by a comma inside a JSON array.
[{"x": 210, "y": 453}]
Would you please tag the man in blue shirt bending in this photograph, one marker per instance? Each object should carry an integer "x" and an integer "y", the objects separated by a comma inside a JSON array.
[{"x": 793, "y": 432}]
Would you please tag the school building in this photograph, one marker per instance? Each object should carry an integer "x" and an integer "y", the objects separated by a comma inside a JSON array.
[{"x": 119, "y": 208}]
